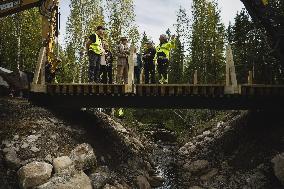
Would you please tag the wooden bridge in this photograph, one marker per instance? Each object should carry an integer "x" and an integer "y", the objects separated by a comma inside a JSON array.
[
  {"x": 161, "y": 96},
  {"x": 231, "y": 95}
]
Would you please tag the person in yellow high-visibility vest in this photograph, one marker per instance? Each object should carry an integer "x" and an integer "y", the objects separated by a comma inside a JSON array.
[
  {"x": 95, "y": 50},
  {"x": 120, "y": 112},
  {"x": 265, "y": 2},
  {"x": 163, "y": 56}
]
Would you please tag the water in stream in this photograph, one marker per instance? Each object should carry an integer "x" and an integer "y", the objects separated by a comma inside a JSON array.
[{"x": 165, "y": 157}]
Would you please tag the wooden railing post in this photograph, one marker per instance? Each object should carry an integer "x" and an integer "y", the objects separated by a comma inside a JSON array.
[
  {"x": 250, "y": 78},
  {"x": 130, "y": 87},
  {"x": 195, "y": 78},
  {"x": 231, "y": 78}
]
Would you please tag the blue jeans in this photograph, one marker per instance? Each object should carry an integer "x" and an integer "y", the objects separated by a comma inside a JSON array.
[{"x": 94, "y": 67}]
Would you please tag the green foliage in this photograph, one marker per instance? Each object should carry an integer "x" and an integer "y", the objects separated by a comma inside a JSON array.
[
  {"x": 207, "y": 43},
  {"x": 143, "y": 42},
  {"x": 121, "y": 18},
  {"x": 176, "y": 65},
  {"x": 20, "y": 40},
  {"x": 252, "y": 52}
]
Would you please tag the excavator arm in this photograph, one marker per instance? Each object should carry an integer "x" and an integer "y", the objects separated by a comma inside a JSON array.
[
  {"x": 47, "y": 60},
  {"x": 8, "y": 7}
]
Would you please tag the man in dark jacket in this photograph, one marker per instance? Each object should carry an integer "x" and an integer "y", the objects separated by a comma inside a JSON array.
[{"x": 149, "y": 65}]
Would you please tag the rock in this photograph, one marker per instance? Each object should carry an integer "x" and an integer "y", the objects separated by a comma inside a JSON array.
[
  {"x": 53, "y": 120},
  {"x": 257, "y": 180},
  {"x": 199, "y": 166},
  {"x": 108, "y": 186},
  {"x": 5, "y": 142},
  {"x": 142, "y": 183},
  {"x": 209, "y": 175},
  {"x": 6, "y": 150},
  {"x": 35, "y": 149},
  {"x": 156, "y": 181},
  {"x": 61, "y": 163},
  {"x": 16, "y": 137},
  {"x": 195, "y": 187},
  {"x": 25, "y": 145},
  {"x": 34, "y": 174},
  {"x": 76, "y": 181},
  {"x": 33, "y": 138},
  {"x": 84, "y": 157},
  {"x": 206, "y": 133},
  {"x": 118, "y": 186},
  {"x": 53, "y": 137},
  {"x": 100, "y": 177},
  {"x": 11, "y": 158},
  {"x": 48, "y": 158},
  {"x": 278, "y": 167}
]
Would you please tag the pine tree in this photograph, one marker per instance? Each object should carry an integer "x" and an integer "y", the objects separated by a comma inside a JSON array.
[
  {"x": 176, "y": 64},
  {"x": 253, "y": 53},
  {"x": 207, "y": 42},
  {"x": 121, "y": 18},
  {"x": 143, "y": 42},
  {"x": 178, "y": 56}
]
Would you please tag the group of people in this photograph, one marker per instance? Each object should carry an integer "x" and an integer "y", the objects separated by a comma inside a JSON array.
[{"x": 101, "y": 60}]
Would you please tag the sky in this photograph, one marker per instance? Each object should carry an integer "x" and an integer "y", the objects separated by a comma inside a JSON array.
[{"x": 156, "y": 16}]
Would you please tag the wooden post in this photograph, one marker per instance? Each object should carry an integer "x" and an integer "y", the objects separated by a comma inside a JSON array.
[
  {"x": 131, "y": 70},
  {"x": 195, "y": 78},
  {"x": 250, "y": 78},
  {"x": 231, "y": 78}
]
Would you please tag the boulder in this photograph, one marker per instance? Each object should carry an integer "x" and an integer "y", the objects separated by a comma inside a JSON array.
[
  {"x": 34, "y": 174},
  {"x": 278, "y": 167},
  {"x": 116, "y": 185},
  {"x": 199, "y": 166},
  {"x": 61, "y": 163},
  {"x": 156, "y": 181},
  {"x": 209, "y": 175},
  {"x": 84, "y": 157},
  {"x": 78, "y": 180},
  {"x": 100, "y": 177},
  {"x": 11, "y": 158},
  {"x": 142, "y": 183}
]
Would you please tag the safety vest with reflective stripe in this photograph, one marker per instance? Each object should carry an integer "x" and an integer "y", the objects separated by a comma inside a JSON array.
[
  {"x": 165, "y": 49},
  {"x": 97, "y": 46}
]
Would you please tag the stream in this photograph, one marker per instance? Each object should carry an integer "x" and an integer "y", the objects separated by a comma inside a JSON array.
[{"x": 164, "y": 156}]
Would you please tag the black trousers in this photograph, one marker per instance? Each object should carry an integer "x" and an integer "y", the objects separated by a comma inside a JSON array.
[
  {"x": 149, "y": 71},
  {"x": 94, "y": 67},
  {"x": 163, "y": 65},
  {"x": 137, "y": 72},
  {"x": 106, "y": 72}
]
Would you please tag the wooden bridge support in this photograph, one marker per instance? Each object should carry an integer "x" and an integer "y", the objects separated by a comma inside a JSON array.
[{"x": 231, "y": 78}]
